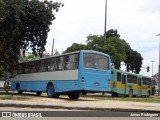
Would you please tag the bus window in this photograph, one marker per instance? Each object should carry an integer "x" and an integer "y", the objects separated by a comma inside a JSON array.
[
  {"x": 42, "y": 68},
  {"x": 118, "y": 76},
  {"x": 123, "y": 79},
  {"x": 146, "y": 81},
  {"x": 27, "y": 67},
  {"x": 139, "y": 81},
  {"x": 37, "y": 66},
  {"x": 76, "y": 59},
  {"x": 95, "y": 61},
  {"x": 61, "y": 63},
  {"x": 129, "y": 78},
  {"x": 134, "y": 79},
  {"x": 32, "y": 67},
  {"x": 71, "y": 62},
  {"x": 52, "y": 64}
]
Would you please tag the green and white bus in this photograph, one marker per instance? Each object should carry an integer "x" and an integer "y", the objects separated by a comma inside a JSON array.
[{"x": 130, "y": 84}]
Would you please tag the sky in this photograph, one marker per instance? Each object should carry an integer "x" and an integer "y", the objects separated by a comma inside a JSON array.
[{"x": 137, "y": 22}]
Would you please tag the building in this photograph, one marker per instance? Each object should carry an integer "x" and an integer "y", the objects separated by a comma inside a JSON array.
[{"x": 157, "y": 87}]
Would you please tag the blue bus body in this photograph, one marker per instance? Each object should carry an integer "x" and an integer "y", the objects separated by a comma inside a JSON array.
[{"x": 75, "y": 75}]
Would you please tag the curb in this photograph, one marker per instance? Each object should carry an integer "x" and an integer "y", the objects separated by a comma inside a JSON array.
[{"x": 76, "y": 108}]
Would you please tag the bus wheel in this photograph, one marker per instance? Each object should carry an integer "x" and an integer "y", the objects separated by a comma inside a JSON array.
[
  {"x": 38, "y": 93},
  {"x": 134, "y": 96},
  {"x": 74, "y": 95},
  {"x": 130, "y": 94},
  {"x": 114, "y": 94},
  {"x": 19, "y": 89},
  {"x": 51, "y": 91}
]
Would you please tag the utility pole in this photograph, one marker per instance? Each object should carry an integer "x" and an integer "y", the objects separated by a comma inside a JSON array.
[
  {"x": 105, "y": 22},
  {"x": 52, "y": 48},
  {"x": 105, "y": 25}
]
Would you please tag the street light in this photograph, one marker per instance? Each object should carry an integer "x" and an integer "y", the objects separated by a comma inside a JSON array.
[{"x": 52, "y": 48}]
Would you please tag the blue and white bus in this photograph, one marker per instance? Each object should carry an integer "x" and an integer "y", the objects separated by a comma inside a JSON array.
[{"x": 71, "y": 73}]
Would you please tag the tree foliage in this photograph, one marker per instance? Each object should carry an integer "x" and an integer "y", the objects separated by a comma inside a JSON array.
[
  {"x": 112, "y": 33},
  {"x": 113, "y": 46},
  {"x": 30, "y": 56},
  {"x": 75, "y": 47},
  {"x": 24, "y": 25},
  {"x": 133, "y": 61},
  {"x": 117, "y": 48}
]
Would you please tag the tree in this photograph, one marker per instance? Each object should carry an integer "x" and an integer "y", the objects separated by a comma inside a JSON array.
[
  {"x": 112, "y": 33},
  {"x": 117, "y": 48},
  {"x": 24, "y": 25},
  {"x": 133, "y": 61},
  {"x": 75, "y": 47},
  {"x": 113, "y": 46},
  {"x": 31, "y": 56}
]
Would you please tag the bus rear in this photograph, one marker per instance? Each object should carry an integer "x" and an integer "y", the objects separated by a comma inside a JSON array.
[{"x": 95, "y": 71}]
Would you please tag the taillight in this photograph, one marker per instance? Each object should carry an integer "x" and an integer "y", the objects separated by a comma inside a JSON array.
[{"x": 82, "y": 79}]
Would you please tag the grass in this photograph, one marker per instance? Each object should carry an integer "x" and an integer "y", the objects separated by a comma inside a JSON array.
[
  {"x": 151, "y": 99},
  {"x": 13, "y": 97}
]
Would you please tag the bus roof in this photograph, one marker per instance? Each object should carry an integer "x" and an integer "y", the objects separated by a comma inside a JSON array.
[
  {"x": 139, "y": 75},
  {"x": 91, "y": 51}
]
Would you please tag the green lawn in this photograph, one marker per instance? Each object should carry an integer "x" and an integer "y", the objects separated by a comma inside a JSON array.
[
  {"x": 151, "y": 99},
  {"x": 13, "y": 97}
]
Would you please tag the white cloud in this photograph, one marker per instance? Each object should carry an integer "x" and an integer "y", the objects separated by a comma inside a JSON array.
[{"x": 137, "y": 21}]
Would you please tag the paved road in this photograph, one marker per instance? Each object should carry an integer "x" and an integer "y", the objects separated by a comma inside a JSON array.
[{"x": 67, "y": 117}]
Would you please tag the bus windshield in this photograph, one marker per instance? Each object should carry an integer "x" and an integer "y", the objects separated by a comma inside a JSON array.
[{"x": 95, "y": 61}]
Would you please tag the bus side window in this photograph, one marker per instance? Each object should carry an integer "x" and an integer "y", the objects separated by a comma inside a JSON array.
[
  {"x": 129, "y": 78},
  {"x": 123, "y": 79},
  {"x": 118, "y": 76},
  {"x": 37, "y": 66},
  {"x": 134, "y": 79},
  {"x": 50, "y": 64},
  {"x": 45, "y": 65},
  {"x": 76, "y": 61},
  {"x": 27, "y": 67},
  {"x": 139, "y": 81},
  {"x": 69, "y": 62},
  {"x": 61, "y": 63},
  {"x": 41, "y": 66}
]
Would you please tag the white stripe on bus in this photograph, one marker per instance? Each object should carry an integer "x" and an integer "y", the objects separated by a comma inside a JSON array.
[{"x": 54, "y": 75}]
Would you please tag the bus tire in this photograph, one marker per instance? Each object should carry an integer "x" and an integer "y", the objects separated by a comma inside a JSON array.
[
  {"x": 38, "y": 93},
  {"x": 74, "y": 95},
  {"x": 51, "y": 91},
  {"x": 114, "y": 94},
  {"x": 130, "y": 93},
  {"x": 18, "y": 88},
  {"x": 134, "y": 95}
]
